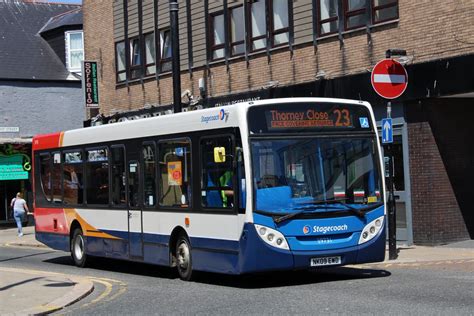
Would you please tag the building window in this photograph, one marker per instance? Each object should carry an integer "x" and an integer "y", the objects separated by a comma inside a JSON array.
[
  {"x": 384, "y": 10},
  {"x": 120, "y": 61},
  {"x": 218, "y": 36},
  {"x": 237, "y": 34},
  {"x": 74, "y": 50},
  {"x": 280, "y": 26},
  {"x": 150, "y": 54},
  {"x": 135, "y": 58},
  {"x": 355, "y": 13},
  {"x": 258, "y": 26},
  {"x": 328, "y": 18},
  {"x": 165, "y": 50}
]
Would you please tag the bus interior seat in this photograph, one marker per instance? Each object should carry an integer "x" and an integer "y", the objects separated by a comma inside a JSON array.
[
  {"x": 213, "y": 196},
  {"x": 269, "y": 199}
]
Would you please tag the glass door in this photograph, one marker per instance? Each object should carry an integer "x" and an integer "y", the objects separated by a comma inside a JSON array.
[
  {"x": 401, "y": 180},
  {"x": 134, "y": 210}
]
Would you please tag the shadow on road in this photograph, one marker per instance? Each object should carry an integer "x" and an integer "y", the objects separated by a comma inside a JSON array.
[{"x": 249, "y": 281}]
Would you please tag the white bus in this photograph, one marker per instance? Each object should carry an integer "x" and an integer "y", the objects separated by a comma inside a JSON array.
[{"x": 276, "y": 184}]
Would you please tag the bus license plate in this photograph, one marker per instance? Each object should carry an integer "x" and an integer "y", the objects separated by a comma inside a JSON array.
[{"x": 325, "y": 261}]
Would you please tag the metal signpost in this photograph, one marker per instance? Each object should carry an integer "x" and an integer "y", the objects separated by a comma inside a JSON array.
[{"x": 389, "y": 79}]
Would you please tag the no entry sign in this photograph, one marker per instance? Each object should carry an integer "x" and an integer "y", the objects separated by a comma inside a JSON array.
[{"x": 389, "y": 79}]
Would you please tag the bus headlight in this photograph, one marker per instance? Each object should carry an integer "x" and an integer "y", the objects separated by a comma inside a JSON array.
[
  {"x": 272, "y": 237},
  {"x": 371, "y": 230}
]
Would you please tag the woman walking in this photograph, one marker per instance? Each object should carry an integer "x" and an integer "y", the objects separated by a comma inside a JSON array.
[{"x": 19, "y": 211}]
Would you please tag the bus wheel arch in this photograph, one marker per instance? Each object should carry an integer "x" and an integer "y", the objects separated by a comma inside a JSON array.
[
  {"x": 77, "y": 245},
  {"x": 180, "y": 253}
]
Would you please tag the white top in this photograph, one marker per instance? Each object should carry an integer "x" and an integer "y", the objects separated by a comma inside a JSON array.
[{"x": 19, "y": 204}]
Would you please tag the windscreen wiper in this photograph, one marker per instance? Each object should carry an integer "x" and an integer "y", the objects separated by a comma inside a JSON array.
[
  {"x": 354, "y": 210},
  {"x": 291, "y": 215},
  {"x": 359, "y": 212}
]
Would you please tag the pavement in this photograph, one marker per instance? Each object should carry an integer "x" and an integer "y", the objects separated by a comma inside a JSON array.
[{"x": 32, "y": 292}]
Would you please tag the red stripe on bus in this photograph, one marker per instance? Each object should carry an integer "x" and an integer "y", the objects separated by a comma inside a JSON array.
[{"x": 47, "y": 141}]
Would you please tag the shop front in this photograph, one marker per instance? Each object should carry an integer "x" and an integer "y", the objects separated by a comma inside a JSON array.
[{"x": 15, "y": 170}]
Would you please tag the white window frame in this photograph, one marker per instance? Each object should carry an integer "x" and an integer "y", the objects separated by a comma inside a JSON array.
[{"x": 67, "y": 36}]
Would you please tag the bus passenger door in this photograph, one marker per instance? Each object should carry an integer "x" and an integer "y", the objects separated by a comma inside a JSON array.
[{"x": 135, "y": 227}]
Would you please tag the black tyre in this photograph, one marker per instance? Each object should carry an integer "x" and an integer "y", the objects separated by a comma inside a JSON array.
[
  {"x": 78, "y": 250},
  {"x": 184, "y": 262}
]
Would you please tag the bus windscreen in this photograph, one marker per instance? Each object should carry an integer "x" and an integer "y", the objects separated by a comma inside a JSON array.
[{"x": 309, "y": 117}]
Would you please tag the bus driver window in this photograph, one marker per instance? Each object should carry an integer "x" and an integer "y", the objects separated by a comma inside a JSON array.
[{"x": 217, "y": 176}]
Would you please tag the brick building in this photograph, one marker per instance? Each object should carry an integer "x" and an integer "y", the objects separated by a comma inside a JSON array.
[{"x": 240, "y": 50}]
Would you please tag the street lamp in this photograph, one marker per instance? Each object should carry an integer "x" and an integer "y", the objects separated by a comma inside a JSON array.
[{"x": 176, "y": 68}]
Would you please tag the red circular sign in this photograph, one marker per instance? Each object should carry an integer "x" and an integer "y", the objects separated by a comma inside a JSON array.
[
  {"x": 176, "y": 175},
  {"x": 389, "y": 79}
]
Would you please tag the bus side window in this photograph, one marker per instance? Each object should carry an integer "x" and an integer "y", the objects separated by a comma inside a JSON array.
[
  {"x": 72, "y": 178},
  {"x": 217, "y": 174},
  {"x": 118, "y": 175},
  {"x": 97, "y": 177},
  {"x": 175, "y": 173}
]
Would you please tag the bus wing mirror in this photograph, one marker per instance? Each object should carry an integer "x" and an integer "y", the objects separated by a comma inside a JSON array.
[{"x": 219, "y": 154}]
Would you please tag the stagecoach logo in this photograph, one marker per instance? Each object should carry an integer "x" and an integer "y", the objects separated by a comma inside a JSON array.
[
  {"x": 306, "y": 230},
  {"x": 324, "y": 229},
  {"x": 221, "y": 116}
]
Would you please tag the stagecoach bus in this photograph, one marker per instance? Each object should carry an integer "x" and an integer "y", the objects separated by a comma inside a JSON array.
[{"x": 277, "y": 184}]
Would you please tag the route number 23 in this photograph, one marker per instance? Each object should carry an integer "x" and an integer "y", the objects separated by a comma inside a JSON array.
[{"x": 343, "y": 117}]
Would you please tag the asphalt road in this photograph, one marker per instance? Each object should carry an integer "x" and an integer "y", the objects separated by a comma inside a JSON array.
[{"x": 129, "y": 288}]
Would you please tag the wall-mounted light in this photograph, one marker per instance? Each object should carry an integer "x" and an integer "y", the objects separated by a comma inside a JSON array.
[
  {"x": 202, "y": 87},
  {"x": 399, "y": 55},
  {"x": 395, "y": 52},
  {"x": 320, "y": 75},
  {"x": 271, "y": 84}
]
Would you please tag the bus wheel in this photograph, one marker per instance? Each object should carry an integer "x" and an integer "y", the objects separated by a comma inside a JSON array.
[
  {"x": 183, "y": 258},
  {"x": 78, "y": 252}
]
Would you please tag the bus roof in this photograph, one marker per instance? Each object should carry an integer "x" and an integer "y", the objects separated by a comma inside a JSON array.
[{"x": 206, "y": 119}]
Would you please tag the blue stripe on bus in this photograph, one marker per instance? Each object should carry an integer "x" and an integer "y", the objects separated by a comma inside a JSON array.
[{"x": 54, "y": 241}]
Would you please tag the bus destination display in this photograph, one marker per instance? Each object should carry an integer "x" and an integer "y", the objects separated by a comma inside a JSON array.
[
  {"x": 303, "y": 117},
  {"x": 339, "y": 117}
]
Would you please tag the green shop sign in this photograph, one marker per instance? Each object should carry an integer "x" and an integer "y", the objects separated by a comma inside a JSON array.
[{"x": 14, "y": 167}]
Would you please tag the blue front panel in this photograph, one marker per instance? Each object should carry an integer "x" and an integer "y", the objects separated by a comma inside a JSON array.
[{"x": 321, "y": 234}]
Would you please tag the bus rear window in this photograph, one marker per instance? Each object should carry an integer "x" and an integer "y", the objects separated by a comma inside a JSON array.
[{"x": 45, "y": 174}]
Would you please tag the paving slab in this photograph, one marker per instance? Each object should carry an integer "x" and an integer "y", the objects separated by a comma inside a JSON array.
[{"x": 33, "y": 292}]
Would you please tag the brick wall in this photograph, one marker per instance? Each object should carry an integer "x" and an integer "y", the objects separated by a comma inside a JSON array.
[
  {"x": 441, "y": 174},
  {"x": 428, "y": 30}
]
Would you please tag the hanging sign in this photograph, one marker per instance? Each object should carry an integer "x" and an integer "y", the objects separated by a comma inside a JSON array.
[
  {"x": 175, "y": 174},
  {"x": 90, "y": 84}
]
